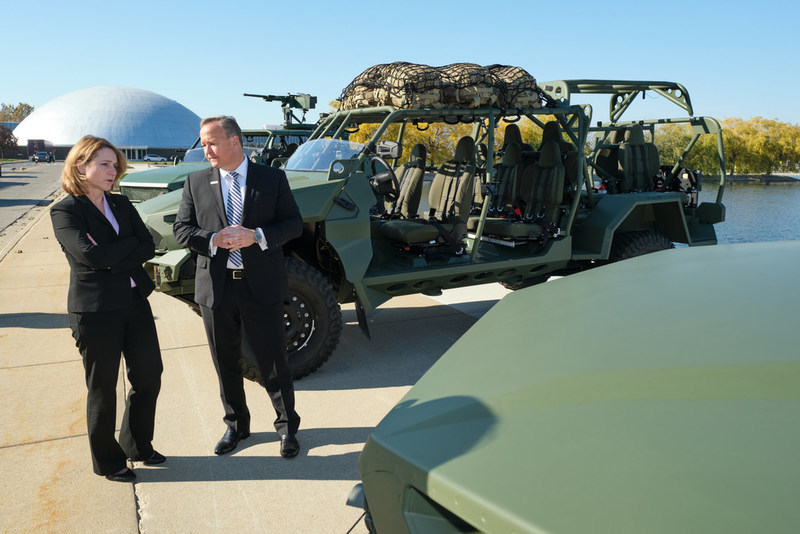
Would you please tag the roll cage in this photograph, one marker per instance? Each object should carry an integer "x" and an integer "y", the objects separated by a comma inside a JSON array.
[
  {"x": 573, "y": 121},
  {"x": 622, "y": 94}
]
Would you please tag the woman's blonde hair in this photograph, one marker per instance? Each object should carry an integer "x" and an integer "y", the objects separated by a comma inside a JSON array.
[{"x": 83, "y": 152}]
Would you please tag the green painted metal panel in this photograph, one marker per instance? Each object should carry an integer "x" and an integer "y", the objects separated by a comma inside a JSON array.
[
  {"x": 162, "y": 176},
  {"x": 659, "y": 394},
  {"x": 661, "y": 212}
]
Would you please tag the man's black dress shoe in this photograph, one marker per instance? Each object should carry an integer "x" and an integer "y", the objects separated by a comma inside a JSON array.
[
  {"x": 229, "y": 441},
  {"x": 126, "y": 475},
  {"x": 155, "y": 458},
  {"x": 289, "y": 445}
]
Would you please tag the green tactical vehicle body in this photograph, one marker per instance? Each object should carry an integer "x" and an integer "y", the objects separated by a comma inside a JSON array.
[
  {"x": 684, "y": 421},
  {"x": 357, "y": 248}
]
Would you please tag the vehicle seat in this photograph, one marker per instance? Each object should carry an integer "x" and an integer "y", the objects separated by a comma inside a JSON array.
[
  {"x": 606, "y": 160},
  {"x": 513, "y": 135},
  {"x": 542, "y": 189},
  {"x": 482, "y": 155},
  {"x": 551, "y": 132},
  {"x": 409, "y": 177},
  {"x": 509, "y": 172},
  {"x": 638, "y": 161},
  {"x": 450, "y": 200}
]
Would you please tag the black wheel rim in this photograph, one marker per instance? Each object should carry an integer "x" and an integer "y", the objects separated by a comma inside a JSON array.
[{"x": 298, "y": 316}]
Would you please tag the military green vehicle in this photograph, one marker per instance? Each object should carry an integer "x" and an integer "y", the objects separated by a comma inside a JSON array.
[
  {"x": 510, "y": 213},
  {"x": 264, "y": 146},
  {"x": 681, "y": 417}
]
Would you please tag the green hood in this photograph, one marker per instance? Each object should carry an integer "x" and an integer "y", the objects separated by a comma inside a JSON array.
[
  {"x": 163, "y": 176},
  {"x": 659, "y": 394}
]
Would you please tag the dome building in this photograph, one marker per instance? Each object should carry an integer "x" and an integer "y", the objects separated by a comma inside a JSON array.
[{"x": 136, "y": 121}]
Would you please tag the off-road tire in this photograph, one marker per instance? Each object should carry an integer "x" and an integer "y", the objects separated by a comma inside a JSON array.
[
  {"x": 313, "y": 321},
  {"x": 632, "y": 244}
]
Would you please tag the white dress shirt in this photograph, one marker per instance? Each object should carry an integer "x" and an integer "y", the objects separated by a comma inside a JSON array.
[
  {"x": 226, "y": 181},
  {"x": 114, "y": 223}
]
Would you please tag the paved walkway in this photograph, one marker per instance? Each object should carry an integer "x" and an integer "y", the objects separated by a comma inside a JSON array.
[{"x": 46, "y": 479}]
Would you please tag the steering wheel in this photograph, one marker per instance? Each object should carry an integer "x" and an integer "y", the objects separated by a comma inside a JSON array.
[{"x": 379, "y": 185}]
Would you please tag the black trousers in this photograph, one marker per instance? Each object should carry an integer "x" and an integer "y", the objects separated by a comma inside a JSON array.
[
  {"x": 101, "y": 337},
  {"x": 237, "y": 315}
]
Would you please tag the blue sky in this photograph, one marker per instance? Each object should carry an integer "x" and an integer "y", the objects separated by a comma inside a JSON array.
[{"x": 737, "y": 59}]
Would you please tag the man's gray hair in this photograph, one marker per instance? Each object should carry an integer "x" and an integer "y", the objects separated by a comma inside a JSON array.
[{"x": 228, "y": 124}]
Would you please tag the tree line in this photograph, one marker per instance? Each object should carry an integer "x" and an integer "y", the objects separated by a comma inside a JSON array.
[
  {"x": 755, "y": 146},
  {"x": 11, "y": 113},
  {"x": 14, "y": 112}
]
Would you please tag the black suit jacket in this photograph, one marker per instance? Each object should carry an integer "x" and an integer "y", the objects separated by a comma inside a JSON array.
[
  {"x": 100, "y": 274},
  {"x": 268, "y": 204}
]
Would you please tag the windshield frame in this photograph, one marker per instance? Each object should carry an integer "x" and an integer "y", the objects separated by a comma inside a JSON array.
[{"x": 317, "y": 155}]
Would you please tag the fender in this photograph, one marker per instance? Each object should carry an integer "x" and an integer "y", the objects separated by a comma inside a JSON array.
[
  {"x": 660, "y": 212},
  {"x": 165, "y": 272}
]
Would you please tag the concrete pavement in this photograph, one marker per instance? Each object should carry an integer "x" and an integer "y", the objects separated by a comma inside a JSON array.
[
  {"x": 46, "y": 479},
  {"x": 26, "y": 189}
]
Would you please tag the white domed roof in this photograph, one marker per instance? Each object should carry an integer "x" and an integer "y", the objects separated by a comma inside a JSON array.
[{"x": 126, "y": 116}]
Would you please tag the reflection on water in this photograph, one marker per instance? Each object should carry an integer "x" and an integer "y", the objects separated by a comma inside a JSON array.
[{"x": 757, "y": 212}]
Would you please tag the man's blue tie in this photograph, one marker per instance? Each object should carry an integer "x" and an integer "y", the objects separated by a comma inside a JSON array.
[{"x": 234, "y": 213}]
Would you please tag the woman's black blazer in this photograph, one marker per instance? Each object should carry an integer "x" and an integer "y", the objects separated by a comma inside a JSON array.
[{"x": 100, "y": 274}]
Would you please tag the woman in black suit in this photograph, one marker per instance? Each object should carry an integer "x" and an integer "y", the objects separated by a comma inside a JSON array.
[{"x": 106, "y": 243}]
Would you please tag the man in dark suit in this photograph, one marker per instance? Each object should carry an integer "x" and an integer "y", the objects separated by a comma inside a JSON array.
[{"x": 237, "y": 216}]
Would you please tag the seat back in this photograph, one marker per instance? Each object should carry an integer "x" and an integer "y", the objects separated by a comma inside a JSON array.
[
  {"x": 638, "y": 161},
  {"x": 552, "y": 133},
  {"x": 508, "y": 182},
  {"x": 606, "y": 159},
  {"x": 513, "y": 135},
  {"x": 409, "y": 177},
  {"x": 451, "y": 193},
  {"x": 543, "y": 186}
]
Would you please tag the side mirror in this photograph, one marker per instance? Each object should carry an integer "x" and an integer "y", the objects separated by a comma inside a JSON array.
[{"x": 389, "y": 149}]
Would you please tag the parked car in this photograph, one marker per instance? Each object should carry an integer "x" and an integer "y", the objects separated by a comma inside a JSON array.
[{"x": 154, "y": 157}]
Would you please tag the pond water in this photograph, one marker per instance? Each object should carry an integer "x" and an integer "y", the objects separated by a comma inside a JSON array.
[{"x": 757, "y": 211}]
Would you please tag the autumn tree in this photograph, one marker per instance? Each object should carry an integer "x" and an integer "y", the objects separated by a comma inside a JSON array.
[
  {"x": 7, "y": 140},
  {"x": 734, "y": 147},
  {"x": 762, "y": 146},
  {"x": 754, "y": 146},
  {"x": 12, "y": 113},
  {"x": 671, "y": 139}
]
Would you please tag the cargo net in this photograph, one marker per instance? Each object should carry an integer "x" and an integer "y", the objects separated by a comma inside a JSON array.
[{"x": 460, "y": 85}]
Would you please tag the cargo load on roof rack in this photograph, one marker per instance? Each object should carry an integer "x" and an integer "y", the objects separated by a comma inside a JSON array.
[{"x": 460, "y": 85}]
